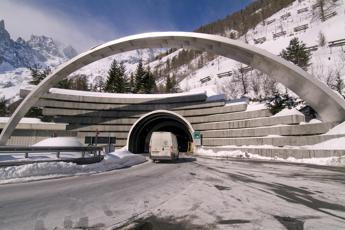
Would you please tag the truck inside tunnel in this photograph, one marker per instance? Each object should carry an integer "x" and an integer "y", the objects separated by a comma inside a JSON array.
[{"x": 139, "y": 137}]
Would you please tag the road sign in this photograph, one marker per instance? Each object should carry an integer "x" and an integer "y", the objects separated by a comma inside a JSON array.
[{"x": 197, "y": 136}]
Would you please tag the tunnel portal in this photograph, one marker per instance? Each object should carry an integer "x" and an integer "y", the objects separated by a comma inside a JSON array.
[{"x": 139, "y": 137}]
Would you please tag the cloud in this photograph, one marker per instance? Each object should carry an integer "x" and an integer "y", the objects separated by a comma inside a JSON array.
[{"x": 23, "y": 20}]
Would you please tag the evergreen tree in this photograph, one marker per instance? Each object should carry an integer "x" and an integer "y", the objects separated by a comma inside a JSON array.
[
  {"x": 131, "y": 83},
  {"x": 339, "y": 84},
  {"x": 149, "y": 83},
  {"x": 116, "y": 80},
  {"x": 171, "y": 85},
  {"x": 297, "y": 53},
  {"x": 37, "y": 74},
  {"x": 140, "y": 74},
  {"x": 3, "y": 107},
  {"x": 168, "y": 85}
]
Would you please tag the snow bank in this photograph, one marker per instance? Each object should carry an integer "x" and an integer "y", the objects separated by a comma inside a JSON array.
[
  {"x": 330, "y": 161},
  {"x": 287, "y": 112},
  {"x": 256, "y": 106},
  {"x": 60, "y": 141},
  {"x": 26, "y": 120},
  {"x": 339, "y": 129},
  {"x": 115, "y": 160},
  {"x": 123, "y": 95},
  {"x": 336, "y": 143}
]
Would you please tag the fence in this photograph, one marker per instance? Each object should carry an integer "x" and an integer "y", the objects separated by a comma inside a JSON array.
[
  {"x": 224, "y": 74},
  {"x": 205, "y": 79},
  {"x": 259, "y": 40},
  {"x": 299, "y": 28}
]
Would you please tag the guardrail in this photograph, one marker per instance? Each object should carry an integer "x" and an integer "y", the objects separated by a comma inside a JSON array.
[
  {"x": 302, "y": 10},
  {"x": 259, "y": 40},
  {"x": 224, "y": 74},
  {"x": 299, "y": 28},
  {"x": 95, "y": 150},
  {"x": 285, "y": 16},
  {"x": 312, "y": 48},
  {"x": 282, "y": 33},
  {"x": 205, "y": 79},
  {"x": 339, "y": 42},
  {"x": 328, "y": 16},
  {"x": 245, "y": 69}
]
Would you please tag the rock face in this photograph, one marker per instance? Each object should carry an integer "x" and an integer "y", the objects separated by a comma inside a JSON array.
[{"x": 37, "y": 50}]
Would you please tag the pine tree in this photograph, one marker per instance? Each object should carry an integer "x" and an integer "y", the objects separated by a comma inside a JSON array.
[
  {"x": 168, "y": 85},
  {"x": 37, "y": 74},
  {"x": 131, "y": 83},
  {"x": 149, "y": 83},
  {"x": 140, "y": 74},
  {"x": 339, "y": 85},
  {"x": 116, "y": 80},
  {"x": 297, "y": 53},
  {"x": 3, "y": 107},
  {"x": 171, "y": 85}
]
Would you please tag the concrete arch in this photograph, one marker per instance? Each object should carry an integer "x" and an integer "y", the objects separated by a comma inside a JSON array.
[
  {"x": 159, "y": 120},
  {"x": 327, "y": 103}
]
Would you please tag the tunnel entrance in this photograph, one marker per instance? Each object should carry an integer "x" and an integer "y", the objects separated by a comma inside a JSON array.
[{"x": 140, "y": 134}]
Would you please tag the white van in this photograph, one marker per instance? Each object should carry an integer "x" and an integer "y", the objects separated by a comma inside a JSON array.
[{"x": 163, "y": 146}]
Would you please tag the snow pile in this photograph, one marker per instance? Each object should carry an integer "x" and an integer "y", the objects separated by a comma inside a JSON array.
[
  {"x": 288, "y": 112},
  {"x": 123, "y": 95},
  {"x": 330, "y": 161},
  {"x": 256, "y": 106},
  {"x": 60, "y": 141},
  {"x": 230, "y": 154},
  {"x": 336, "y": 143},
  {"x": 26, "y": 120},
  {"x": 115, "y": 160},
  {"x": 339, "y": 129}
]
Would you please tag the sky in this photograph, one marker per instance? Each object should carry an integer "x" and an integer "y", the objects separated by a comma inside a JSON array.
[{"x": 86, "y": 23}]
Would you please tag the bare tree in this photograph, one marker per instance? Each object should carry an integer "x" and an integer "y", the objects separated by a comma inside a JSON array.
[
  {"x": 321, "y": 39},
  {"x": 269, "y": 86}
]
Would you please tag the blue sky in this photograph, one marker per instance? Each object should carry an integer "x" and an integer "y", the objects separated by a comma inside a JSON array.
[{"x": 85, "y": 23}]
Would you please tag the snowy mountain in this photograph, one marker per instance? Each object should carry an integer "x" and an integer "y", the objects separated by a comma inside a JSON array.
[{"x": 17, "y": 56}]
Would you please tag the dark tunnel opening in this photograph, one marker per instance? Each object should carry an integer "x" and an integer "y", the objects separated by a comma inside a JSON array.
[{"x": 140, "y": 136}]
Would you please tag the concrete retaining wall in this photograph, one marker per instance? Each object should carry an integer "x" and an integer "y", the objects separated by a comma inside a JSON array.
[{"x": 221, "y": 124}]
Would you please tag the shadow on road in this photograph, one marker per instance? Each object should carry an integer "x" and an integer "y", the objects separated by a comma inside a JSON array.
[
  {"x": 289, "y": 193},
  {"x": 179, "y": 161}
]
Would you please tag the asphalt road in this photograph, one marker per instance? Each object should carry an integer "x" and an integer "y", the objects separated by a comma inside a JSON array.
[{"x": 190, "y": 194}]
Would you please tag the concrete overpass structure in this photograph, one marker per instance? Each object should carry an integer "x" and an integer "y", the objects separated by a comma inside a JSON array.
[{"x": 221, "y": 125}]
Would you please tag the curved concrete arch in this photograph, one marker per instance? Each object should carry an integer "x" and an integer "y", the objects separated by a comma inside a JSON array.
[
  {"x": 327, "y": 103},
  {"x": 149, "y": 118}
]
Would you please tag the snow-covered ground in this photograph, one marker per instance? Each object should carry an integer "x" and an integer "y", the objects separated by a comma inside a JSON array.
[
  {"x": 330, "y": 161},
  {"x": 333, "y": 144},
  {"x": 325, "y": 60},
  {"x": 47, "y": 170},
  {"x": 121, "y": 158}
]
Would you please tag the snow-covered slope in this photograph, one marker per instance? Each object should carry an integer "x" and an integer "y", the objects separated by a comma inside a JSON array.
[{"x": 325, "y": 60}]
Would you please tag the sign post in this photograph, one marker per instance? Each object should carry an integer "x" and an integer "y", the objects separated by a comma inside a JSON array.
[{"x": 197, "y": 138}]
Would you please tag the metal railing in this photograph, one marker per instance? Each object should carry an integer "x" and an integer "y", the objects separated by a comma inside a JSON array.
[{"x": 95, "y": 150}]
